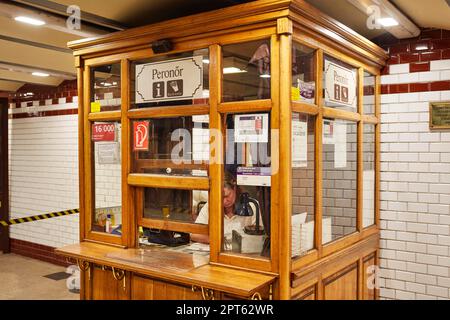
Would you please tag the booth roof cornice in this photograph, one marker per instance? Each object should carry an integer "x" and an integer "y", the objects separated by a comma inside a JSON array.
[{"x": 267, "y": 12}]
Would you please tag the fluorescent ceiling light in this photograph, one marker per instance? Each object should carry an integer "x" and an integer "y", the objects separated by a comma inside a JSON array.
[
  {"x": 29, "y": 20},
  {"x": 40, "y": 74},
  {"x": 265, "y": 76},
  {"x": 230, "y": 70},
  {"x": 388, "y": 22},
  {"x": 206, "y": 61},
  {"x": 404, "y": 28},
  {"x": 422, "y": 47}
]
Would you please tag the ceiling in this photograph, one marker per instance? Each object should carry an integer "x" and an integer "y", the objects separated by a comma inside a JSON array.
[
  {"x": 133, "y": 13},
  {"x": 26, "y": 48},
  {"x": 427, "y": 13},
  {"x": 351, "y": 16}
]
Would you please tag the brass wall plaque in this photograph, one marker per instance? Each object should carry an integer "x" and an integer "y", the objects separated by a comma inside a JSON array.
[{"x": 439, "y": 115}]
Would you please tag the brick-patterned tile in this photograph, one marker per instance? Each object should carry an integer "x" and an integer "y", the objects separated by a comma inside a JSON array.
[
  {"x": 445, "y": 34},
  {"x": 399, "y": 48},
  {"x": 409, "y": 57},
  {"x": 446, "y": 54},
  {"x": 431, "y": 34},
  {"x": 419, "y": 66},
  {"x": 430, "y": 55},
  {"x": 393, "y": 59},
  {"x": 440, "y": 44},
  {"x": 419, "y": 87},
  {"x": 37, "y": 251},
  {"x": 398, "y": 88},
  {"x": 440, "y": 85}
]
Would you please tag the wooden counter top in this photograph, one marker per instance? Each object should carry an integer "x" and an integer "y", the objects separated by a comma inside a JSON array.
[{"x": 185, "y": 268}]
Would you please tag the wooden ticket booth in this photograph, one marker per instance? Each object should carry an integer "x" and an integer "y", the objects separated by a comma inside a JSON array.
[{"x": 230, "y": 154}]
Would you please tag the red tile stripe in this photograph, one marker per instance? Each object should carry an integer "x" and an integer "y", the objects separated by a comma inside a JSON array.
[
  {"x": 37, "y": 251},
  {"x": 431, "y": 45},
  {"x": 415, "y": 87},
  {"x": 419, "y": 67},
  {"x": 67, "y": 89},
  {"x": 38, "y": 114}
]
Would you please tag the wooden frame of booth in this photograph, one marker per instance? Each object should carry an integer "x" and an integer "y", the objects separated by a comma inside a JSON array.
[{"x": 337, "y": 270}]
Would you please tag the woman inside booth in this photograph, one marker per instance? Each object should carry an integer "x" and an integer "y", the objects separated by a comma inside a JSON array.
[{"x": 232, "y": 220}]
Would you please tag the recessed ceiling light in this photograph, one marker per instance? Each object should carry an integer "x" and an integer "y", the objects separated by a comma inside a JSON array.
[
  {"x": 387, "y": 22},
  {"x": 420, "y": 47},
  {"x": 40, "y": 74},
  {"x": 29, "y": 20}
]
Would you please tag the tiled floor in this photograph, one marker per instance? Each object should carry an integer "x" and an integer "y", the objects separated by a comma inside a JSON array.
[{"x": 22, "y": 278}]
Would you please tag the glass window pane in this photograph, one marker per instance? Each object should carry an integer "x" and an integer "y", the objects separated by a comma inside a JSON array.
[
  {"x": 247, "y": 180},
  {"x": 170, "y": 80},
  {"x": 105, "y": 90},
  {"x": 303, "y": 74},
  {"x": 369, "y": 94},
  {"x": 107, "y": 177},
  {"x": 246, "y": 71},
  {"x": 171, "y": 146},
  {"x": 369, "y": 175},
  {"x": 303, "y": 155},
  {"x": 175, "y": 204},
  {"x": 182, "y": 206},
  {"x": 339, "y": 178},
  {"x": 340, "y": 85}
]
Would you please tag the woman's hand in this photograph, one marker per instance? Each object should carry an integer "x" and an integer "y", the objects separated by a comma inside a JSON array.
[{"x": 202, "y": 238}]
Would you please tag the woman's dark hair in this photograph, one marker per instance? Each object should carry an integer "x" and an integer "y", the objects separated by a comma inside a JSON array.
[{"x": 230, "y": 183}]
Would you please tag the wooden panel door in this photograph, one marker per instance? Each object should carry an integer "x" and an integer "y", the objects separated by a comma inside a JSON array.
[
  {"x": 148, "y": 289},
  {"x": 368, "y": 292},
  {"x": 307, "y": 294},
  {"x": 343, "y": 285},
  {"x": 105, "y": 287},
  {"x": 4, "y": 206}
]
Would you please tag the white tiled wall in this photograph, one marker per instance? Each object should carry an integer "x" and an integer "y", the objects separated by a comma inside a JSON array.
[
  {"x": 415, "y": 194},
  {"x": 43, "y": 174},
  {"x": 399, "y": 73}
]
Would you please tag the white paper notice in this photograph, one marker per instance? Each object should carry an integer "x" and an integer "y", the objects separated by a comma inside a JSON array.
[
  {"x": 299, "y": 143},
  {"x": 254, "y": 176},
  {"x": 340, "y": 146},
  {"x": 108, "y": 153},
  {"x": 251, "y": 127},
  {"x": 298, "y": 220},
  {"x": 328, "y": 131}
]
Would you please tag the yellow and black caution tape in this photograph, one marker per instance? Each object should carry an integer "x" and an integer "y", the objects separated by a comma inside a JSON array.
[{"x": 39, "y": 217}]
